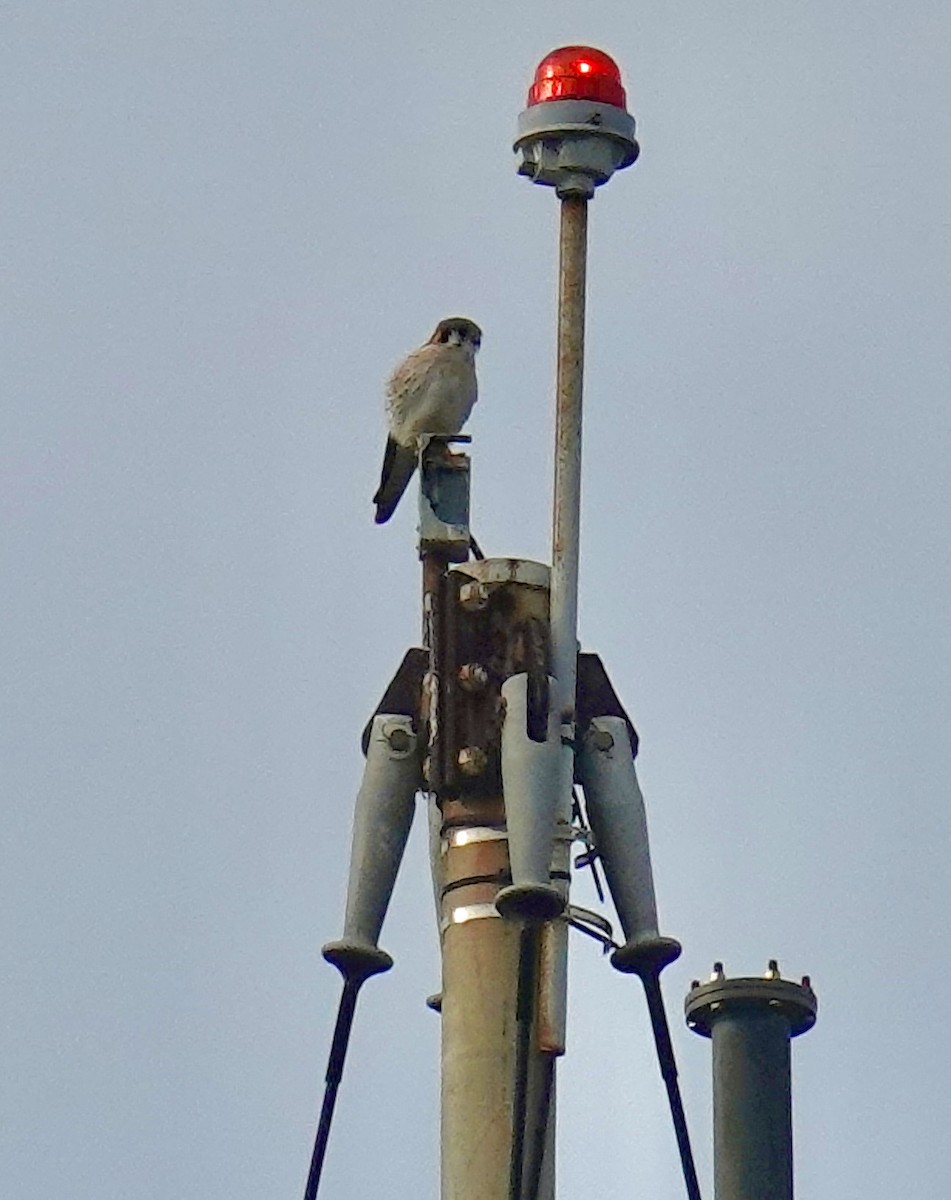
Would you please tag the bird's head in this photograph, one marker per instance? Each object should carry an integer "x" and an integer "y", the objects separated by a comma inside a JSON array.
[{"x": 457, "y": 331}]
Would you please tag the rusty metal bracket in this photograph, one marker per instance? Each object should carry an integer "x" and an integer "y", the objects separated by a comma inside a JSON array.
[{"x": 596, "y": 694}]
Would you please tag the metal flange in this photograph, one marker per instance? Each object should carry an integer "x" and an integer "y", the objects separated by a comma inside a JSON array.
[{"x": 707, "y": 1002}]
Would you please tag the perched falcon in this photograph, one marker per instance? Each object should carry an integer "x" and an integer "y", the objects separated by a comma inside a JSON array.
[{"x": 431, "y": 391}]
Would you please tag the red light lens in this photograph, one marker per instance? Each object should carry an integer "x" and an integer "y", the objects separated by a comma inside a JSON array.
[{"x": 577, "y": 73}]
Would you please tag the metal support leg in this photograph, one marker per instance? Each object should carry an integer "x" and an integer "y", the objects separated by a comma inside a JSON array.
[
  {"x": 618, "y": 821},
  {"x": 536, "y": 786},
  {"x": 381, "y": 823}
]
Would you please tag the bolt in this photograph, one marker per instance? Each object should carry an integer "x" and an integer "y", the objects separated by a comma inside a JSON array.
[
  {"x": 400, "y": 740},
  {"x": 473, "y": 677},
  {"x": 472, "y": 760},
  {"x": 717, "y": 971},
  {"x": 602, "y": 739},
  {"x": 807, "y": 983},
  {"x": 694, "y": 983},
  {"x": 473, "y": 595},
  {"x": 772, "y": 969}
]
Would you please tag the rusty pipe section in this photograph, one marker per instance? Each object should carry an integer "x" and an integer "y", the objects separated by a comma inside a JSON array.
[{"x": 566, "y": 515}]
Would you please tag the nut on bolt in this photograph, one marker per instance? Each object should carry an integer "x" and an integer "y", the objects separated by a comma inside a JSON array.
[
  {"x": 400, "y": 740},
  {"x": 473, "y": 677},
  {"x": 602, "y": 739},
  {"x": 472, "y": 760},
  {"x": 473, "y": 595}
]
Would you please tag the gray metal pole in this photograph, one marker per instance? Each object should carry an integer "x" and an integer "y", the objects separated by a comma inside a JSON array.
[
  {"x": 751, "y": 1022},
  {"x": 566, "y": 519},
  {"x": 480, "y": 954}
]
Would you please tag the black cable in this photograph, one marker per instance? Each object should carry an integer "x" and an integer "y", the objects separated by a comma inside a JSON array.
[
  {"x": 335, "y": 1061},
  {"x": 537, "y": 1162},
  {"x": 524, "y": 1011},
  {"x": 668, "y": 1069}
]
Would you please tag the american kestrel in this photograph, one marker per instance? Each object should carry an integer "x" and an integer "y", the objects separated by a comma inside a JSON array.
[{"x": 431, "y": 391}]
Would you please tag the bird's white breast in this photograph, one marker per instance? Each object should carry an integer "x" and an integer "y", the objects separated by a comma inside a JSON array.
[{"x": 431, "y": 391}]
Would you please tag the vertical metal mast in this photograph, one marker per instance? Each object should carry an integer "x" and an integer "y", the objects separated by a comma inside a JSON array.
[
  {"x": 574, "y": 134},
  {"x": 566, "y": 515},
  {"x": 751, "y": 1022}
]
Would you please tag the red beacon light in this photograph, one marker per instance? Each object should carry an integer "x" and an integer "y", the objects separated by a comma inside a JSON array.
[
  {"x": 576, "y": 131},
  {"x": 577, "y": 73}
]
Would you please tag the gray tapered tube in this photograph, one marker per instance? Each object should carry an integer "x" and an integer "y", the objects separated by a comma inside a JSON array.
[
  {"x": 535, "y": 783},
  {"x": 615, "y": 807},
  {"x": 381, "y": 823}
]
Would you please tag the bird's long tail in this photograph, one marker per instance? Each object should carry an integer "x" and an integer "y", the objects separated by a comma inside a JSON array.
[{"x": 399, "y": 463}]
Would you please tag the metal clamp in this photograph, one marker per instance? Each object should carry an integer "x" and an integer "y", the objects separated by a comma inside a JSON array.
[{"x": 469, "y": 912}]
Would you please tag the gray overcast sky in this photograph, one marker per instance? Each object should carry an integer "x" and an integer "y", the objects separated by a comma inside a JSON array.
[{"x": 222, "y": 224}]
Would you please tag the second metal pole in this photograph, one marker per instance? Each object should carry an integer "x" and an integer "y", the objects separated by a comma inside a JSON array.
[
  {"x": 751, "y": 1022},
  {"x": 566, "y": 518}
]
